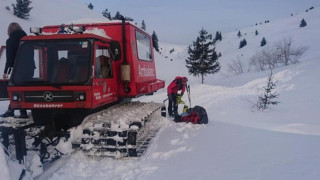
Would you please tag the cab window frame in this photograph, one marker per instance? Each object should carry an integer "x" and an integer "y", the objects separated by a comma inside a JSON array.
[{"x": 140, "y": 36}]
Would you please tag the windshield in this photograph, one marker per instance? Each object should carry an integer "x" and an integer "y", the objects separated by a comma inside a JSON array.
[{"x": 56, "y": 62}]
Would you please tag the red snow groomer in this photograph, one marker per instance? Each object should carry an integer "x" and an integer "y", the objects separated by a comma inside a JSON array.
[{"x": 71, "y": 74}]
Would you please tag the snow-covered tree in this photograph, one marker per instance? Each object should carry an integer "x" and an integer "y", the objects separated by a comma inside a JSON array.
[
  {"x": 106, "y": 14},
  {"x": 143, "y": 25},
  {"x": 155, "y": 41},
  {"x": 21, "y": 9},
  {"x": 203, "y": 58}
]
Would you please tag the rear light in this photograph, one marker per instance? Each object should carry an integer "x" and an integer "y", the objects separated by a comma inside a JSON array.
[{"x": 16, "y": 97}]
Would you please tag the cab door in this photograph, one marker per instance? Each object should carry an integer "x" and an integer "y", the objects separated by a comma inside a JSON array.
[
  {"x": 3, "y": 82},
  {"x": 104, "y": 82}
]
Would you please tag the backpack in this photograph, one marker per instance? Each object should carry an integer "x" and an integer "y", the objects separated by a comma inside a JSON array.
[{"x": 196, "y": 115}]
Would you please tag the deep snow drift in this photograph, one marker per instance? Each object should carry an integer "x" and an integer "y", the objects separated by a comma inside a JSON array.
[{"x": 239, "y": 142}]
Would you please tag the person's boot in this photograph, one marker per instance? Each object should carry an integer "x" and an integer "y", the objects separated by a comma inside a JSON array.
[
  {"x": 169, "y": 112},
  {"x": 23, "y": 114},
  {"x": 8, "y": 113}
]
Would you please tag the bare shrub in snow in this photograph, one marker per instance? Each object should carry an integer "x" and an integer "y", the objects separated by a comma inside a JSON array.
[
  {"x": 287, "y": 53},
  {"x": 257, "y": 61},
  {"x": 236, "y": 67},
  {"x": 266, "y": 59},
  {"x": 283, "y": 53},
  {"x": 270, "y": 58},
  {"x": 283, "y": 50},
  {"x": 297, "y": 53}
]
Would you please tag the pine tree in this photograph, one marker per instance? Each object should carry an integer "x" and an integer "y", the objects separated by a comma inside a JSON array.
[
  {"x": 117, "y": 16},
  {"x": 90, "y": 6},
  {"x": 268, "y": 97},
  {"x": 143, "y": 25},
  {"x": 263, "y": 42},
  {"x": 242, "y": 43},
  {"x": 218, "y": 36},
  {"x": 128, "y": 18},
  {"x": 303, "y": 23},
  {"x": 155, "y": 41},
  {"x": 106, "y": 14},
  {"x": 21, "y": 9},
  {"x": 203, "y": 58},
  {"x": 256, "y": 33},
  {"x": 239, "y": 34}
]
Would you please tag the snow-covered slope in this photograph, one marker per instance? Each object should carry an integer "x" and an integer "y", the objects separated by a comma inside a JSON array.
[
  {"x": 274, "y": 32},
  {"x": 44, "y": 12},
  {"x": 239, "y": 142}
]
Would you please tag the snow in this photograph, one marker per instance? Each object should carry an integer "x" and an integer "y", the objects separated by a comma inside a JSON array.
[
  {"x": 96, "y": 31},
  {"x": 239, "y": 142},
  {"x": 4, "y": 171},
  {"x": 46, "y": 12}
]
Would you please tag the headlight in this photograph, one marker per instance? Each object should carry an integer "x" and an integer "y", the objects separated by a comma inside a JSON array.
[
  {"x": 16, "y": 97},
  {"x": 81, "y": 96}
]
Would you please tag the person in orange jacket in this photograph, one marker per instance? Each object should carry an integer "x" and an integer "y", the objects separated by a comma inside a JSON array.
[{"x": 179, "y": 83}]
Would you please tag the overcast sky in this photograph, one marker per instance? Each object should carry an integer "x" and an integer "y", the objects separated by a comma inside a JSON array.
[{"x": 179, "y": 21}]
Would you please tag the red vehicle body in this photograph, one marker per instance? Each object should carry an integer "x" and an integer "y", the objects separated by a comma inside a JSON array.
[{"x": 75, "y": 74}]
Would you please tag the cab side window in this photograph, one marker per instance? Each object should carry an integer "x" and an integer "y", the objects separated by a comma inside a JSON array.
[
  {"x": 103, "y": 64},
  {"x": 143, "y": 47}
]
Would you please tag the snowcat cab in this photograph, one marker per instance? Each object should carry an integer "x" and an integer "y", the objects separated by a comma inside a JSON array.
[{"x": 64, "y": 77}]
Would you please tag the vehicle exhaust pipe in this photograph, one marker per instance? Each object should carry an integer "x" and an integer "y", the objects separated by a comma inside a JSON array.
[{"x": 125, "y": 67}]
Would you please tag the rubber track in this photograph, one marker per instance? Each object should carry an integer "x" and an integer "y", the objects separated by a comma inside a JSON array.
[{"x": 119, "y": 120}]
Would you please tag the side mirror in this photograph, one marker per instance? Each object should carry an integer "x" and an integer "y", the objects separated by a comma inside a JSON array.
[{"x": 115, "y": 50}]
